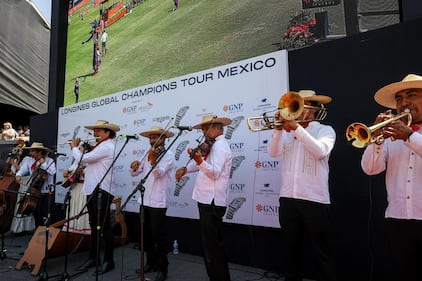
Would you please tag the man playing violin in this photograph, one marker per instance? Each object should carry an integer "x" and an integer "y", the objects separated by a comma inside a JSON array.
[
  {"x": 211, "y": 192},
  {"x": 158, "y": 186},
  {"x": 304, "y": 146},
  {"x": 41, "y": 170},
  {"x": 400, "y": 156}
]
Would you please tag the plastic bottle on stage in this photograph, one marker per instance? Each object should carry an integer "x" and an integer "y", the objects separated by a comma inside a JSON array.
[{"x": 175, "y": 247}]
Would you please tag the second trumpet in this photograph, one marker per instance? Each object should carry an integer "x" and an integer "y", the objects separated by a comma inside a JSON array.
[{"x": 360, "y": 135}]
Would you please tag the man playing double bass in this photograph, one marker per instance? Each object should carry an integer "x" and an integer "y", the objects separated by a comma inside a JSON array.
[{"x": 41, "y": 171}]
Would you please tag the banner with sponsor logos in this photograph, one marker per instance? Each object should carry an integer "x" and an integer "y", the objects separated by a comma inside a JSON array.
[{"x": 238, "y": 90}]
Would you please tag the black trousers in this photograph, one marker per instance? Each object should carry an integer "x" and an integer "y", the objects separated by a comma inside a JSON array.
[
  {"x": 211, "y": 221},
  {"x": 99, "y": 203},
  {"x": 300, "y": 219},
  {"x": 44, "y": 207},
  {"x": 404, "y": 249},
  {"x": 155, "y": 237}
]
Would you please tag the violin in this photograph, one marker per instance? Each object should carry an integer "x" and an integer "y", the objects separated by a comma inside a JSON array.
[
  {"x": 204, "y": 148},
  {"x": 38, "y": 178},
  {"x": 155, "y": 152}
]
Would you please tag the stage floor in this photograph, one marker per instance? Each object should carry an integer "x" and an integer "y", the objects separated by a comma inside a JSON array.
[{"x": 182, "y": 266}]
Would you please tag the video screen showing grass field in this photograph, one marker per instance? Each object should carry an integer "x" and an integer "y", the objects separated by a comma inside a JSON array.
[{"x": 151, "y": 41}]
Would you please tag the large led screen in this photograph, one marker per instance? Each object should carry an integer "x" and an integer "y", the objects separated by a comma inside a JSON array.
[{"x": 151, "y": 41}]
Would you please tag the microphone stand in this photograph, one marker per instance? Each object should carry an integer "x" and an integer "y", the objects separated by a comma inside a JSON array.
[
  {"x": 141, "y": 188},
  {"x": 65, "y": 276},
  {"x": 98, "y": 193},
  {"x": 44, "y": 274}
]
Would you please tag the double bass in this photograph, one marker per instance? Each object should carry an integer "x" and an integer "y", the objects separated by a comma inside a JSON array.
[
  {"x": 9, "y": 189},
  {"x": 29, "y": 202}
]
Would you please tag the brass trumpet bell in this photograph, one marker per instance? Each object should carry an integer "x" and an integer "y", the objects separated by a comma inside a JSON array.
[
  {"x": 360, "y": 135},
  {"x": 290, "y": 106}
]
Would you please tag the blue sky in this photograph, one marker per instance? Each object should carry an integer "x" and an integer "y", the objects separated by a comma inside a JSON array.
[{"x": 45, "y": 7}]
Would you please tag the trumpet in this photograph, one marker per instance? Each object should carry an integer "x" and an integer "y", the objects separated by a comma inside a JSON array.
[
  {"x": 360, "y": 135},
  {"x": 87, "y": 140},
  {"x": 290, "y": 107}
]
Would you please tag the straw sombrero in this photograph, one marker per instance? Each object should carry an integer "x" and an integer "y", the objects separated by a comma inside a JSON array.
[
  {"x": 386, "y": 96},
  {"x": 37, "y": 145},
  {"x": 212, "y": 119},
  {"x": 157, "y": 130},
  {"x": 102, "y": 124},
  {"x": 310, "y": 95}
]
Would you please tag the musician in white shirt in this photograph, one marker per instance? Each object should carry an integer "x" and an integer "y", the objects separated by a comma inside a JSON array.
[
  {"x": 400, "y": 156},
  {"x": 212, "y": 161}
]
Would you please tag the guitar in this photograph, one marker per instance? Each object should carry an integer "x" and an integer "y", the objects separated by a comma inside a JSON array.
[{"x": 74, "y": 176}]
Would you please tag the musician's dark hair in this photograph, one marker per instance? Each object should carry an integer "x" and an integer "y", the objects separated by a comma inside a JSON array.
[
  {"x": 43, "y": 151},
  {"x": 112, "y": 134}
]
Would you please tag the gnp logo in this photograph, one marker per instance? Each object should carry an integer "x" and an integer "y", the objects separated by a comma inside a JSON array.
[
  {"x": 118, "y": 168},
  {"x": 267, "y": 210},
  {"x": 129, "y": 109},
  {"x": 138, "y": 152},
  {"x": 232, "y": 108},
  {"x": 119, "y": 185},
  {"x": 139, "y": 122},
  {"x": 272, "y": 165},
  {"x": 237, "y": 187},
  {"x": 237, "y": 147}
]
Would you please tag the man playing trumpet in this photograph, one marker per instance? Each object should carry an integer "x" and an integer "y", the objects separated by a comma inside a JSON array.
[
  {"x": 400, "y": 155},
  {"x": 304, "y": 146}
]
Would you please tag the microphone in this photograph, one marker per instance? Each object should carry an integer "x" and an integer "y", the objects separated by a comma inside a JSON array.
[
  {"x": 129, "y": 137},
  {"x": 55, "y": 153},
  {"x": 183, "y": 128}
]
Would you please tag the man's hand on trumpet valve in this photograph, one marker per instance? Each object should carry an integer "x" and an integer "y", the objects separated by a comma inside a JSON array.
[{"x": 395, "y": 130}]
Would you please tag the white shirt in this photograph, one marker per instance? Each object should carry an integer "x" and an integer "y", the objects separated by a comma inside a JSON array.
[
  {"x": 305, "y": 154},
  {"x": 402, "y": 162},
  {"x": 48, "y": 166},
  {"x": 159, "y": 183},
  {"x": 214, "y": 173},
  {"x": 99, "y": 161}
]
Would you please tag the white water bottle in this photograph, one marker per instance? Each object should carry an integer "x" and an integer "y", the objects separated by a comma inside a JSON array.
[{"x": 175, "y": 247}]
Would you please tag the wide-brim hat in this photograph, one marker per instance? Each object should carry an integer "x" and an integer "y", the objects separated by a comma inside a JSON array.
[
  {"x": 157, "y": 130},
  {"x": 37, "y": 145},
  {"x": 310, "y": 95},
  {"x": 103, "y": 124},
  {"x": 213, "y": 119},
  {"x": 386, "y": 96}
]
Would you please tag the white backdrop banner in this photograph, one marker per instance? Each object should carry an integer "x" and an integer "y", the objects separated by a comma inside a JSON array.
[{"x": 238, "y": 90}]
